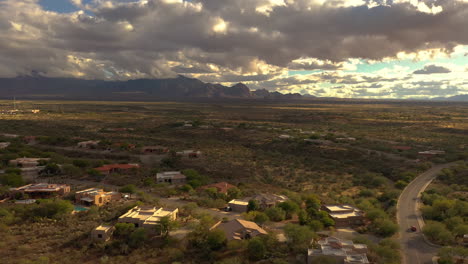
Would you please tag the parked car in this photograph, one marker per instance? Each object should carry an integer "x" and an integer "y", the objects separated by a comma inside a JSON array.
[{"x": 413, "y": 229}]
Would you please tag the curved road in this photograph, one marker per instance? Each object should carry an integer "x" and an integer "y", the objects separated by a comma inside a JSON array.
[{"x": 414, "y": 246}]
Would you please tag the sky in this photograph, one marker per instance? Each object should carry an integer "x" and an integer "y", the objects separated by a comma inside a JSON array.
[{"x": 330, "y": 48}]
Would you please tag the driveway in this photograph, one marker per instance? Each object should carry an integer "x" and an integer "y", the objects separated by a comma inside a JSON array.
[{"x": 416, "y": 250}]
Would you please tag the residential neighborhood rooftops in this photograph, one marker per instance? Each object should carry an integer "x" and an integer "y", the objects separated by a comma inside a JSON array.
[
  {"x": 342, "y": 211},
  {"x": 42, "y": 187},
  {"x": 147, "y": 216},
  {"x": 432, "y": 152},
  {"x": 345, "y": 251}
]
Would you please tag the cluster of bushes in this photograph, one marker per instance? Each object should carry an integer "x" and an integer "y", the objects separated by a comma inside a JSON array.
[
  {"x": 445, "y": 210},
  {"x": 447, "y": 218},
  {"x": 43, "y": 208}
]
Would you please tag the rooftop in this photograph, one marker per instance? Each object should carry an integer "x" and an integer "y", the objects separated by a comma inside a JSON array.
[
  {"x": 42, "y": 187},
  {"x": 238, "y": 202},
  {"x": 103, "y": 228}
]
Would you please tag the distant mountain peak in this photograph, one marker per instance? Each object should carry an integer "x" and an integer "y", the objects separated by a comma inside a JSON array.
[{"x": 180, "y": 87}]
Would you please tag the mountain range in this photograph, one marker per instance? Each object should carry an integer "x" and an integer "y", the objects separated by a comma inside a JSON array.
[
  {"x": 458, "y": 98},
  {"x": 38, "y": 87}
]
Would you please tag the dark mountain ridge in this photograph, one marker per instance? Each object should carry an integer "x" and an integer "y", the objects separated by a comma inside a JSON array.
[{"x": 37, "y": 87}]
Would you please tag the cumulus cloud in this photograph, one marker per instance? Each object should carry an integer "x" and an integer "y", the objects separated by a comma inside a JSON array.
[
  {"x": 431, "y": 69},
  {"x": 257, "y": 41}
]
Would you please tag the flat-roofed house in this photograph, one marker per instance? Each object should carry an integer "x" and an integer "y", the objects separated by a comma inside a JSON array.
[
  {"x": 237, "y": 205},
  {"x": 96, "y": 196},
  {"x": 88, "y": 144},
  {"x": 343, "y": 251},
  {"x": 238, "y": 229},
  {"x": 102, "y": 233},
  {"x": 171, "y": 177},
  {"x": 344, "y": 215},
  {"x": 431, "y": 153},
  {"x": 27, "y": 162},
  {"x": 154, "y": 150},
  {"x": 147, "y": 217},
  {"x": 4, "y": 145},
  {"x": 189, "y": 154},
  {"x": 117, "y": 168},
  {"x": 42, "y": 190}
]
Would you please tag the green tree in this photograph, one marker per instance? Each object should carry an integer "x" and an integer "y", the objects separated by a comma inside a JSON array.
[
  {"x": 384, "y": 227},
  {"x": 234, "y": 193},
  {"x": 51, "y": 208},
  {"x": 289, "y": 207},
  {"x": 437, "y": 232},
  {"x": 298, "y": 237},
  {"x": 253, "y": 205},
  {"x": 129, "y": 188},
  {"x": 216, "y": 239},
  {"x": 275, "y": 214},
  {"x": 137, "y": 238},
  {"x": 13, "y": 180},
  {"x": 256, "y": 249},
  {"x": 123, "y": 230}
]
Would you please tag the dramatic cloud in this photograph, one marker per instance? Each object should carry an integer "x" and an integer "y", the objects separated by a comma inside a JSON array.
[
  {"x": 255, "y": 41},
  {"x": 431, "y": 69}
]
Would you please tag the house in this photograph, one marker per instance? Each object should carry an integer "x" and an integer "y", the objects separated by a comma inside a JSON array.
[
  {"x": 465, "y": 240},
  {"x": 147, "y": 217},
  {"x": 116, "y": 168},
  {"x": 344, "y": 215},
  {"x": 96, "y": 196},
  {"x": 238, "y": 229},
  {"x": 431, "y": 153},
  {"x": 42, "y": 190},
  {"x": 189, "y": 154},
  {"x": 237, "y": 205},
  {"x": 266, "y": 200},
  {"x": 35, "y": 111},
  {"x": 221, "y": 187},
  {"x": 27, "y": 162},
  {"x": 27, "y": 201},
  {"x": 4, "y": 145},
  {"x": 346, "y": 139},
  {"x": 171, "y": 177},
  {"x": 285, "y": 137},
  {"x": 343, "y": 251},
  {"x": 9, "y": 135},
  {"x": 102, "y": 233},
  {"x": 90, "y": 144},
  {"x": 154, "y": 150}
]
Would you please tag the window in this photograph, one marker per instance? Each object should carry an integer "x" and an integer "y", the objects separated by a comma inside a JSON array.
[{"x": 99, "y": 235}]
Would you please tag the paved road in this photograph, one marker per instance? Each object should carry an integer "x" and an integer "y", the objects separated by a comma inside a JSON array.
[{"x": 415, "y": 248}]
